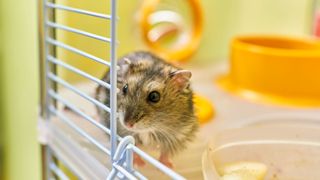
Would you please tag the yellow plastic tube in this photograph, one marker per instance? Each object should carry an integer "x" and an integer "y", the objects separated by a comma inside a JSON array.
[{"x": 183, "y": 51}]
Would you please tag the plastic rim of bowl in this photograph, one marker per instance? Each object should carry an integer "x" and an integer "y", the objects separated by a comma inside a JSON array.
[
  {"x": 184, "y": 51},
  {"x": 274, "y": 69},
  {"x": 308, "y": 125}
]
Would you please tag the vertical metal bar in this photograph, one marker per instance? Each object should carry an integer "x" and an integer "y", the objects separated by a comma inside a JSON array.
[
  {"x": 44, "y": 162},
  {"x": 113, "y": 80},
  {"x": 41, "y": 58},
  {"x": 47, "y": 69},
  {"x": 129, "y": 159},
  {"x": 52, "y": 49},
  {"x": 45, "y": 84},
  {"x": 42, "y": 67},
  {"x": 49, "y": 14},
  {"x": 46, "y": 51},
  {"x": 46, "y": 156}
]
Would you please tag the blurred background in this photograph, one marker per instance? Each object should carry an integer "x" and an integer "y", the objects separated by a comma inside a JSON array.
[{"x": 19, "y": 57}]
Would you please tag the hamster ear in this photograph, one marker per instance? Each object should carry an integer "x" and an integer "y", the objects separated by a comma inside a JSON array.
[
  {"x": 180, "y": 78},
  {"x": 124, "y": 67},
  {"x": 127, "y": 61}
]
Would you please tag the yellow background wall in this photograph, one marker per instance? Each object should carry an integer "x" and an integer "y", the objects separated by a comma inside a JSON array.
[
  {"x": 19, "y": 89},
  {"x": 19, "y": 58}
]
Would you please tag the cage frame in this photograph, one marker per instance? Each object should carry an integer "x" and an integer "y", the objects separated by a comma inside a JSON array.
[{"x": 122, "y": 149}]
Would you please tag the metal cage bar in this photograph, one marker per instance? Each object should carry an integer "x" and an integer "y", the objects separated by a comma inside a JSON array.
[
  {"x": 79, "y": 11},
  {"x": 54, "y": 111},
  {"x": 45, "y": 84},
  {"x": 124, "y": 172},
  {"x": 77, "y": 31},
  {"x": 77, "y": 71},
  {"x": 61, "y": 175},
  {"x": 139, "y": 175},
  {"x": 65, "y": 164},
  {"x": 113, "y": 79},
  {"x": 77, "y": 91},
  {"x": 78, "y": 111},
  {"x": 77, "y": 51},
  {"x": 157, "y": 164}
]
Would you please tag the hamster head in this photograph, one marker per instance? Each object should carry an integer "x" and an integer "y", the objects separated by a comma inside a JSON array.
[{"x": 153, "y": 94}]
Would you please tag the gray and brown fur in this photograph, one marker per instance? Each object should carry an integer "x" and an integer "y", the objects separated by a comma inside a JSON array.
[{"x": 169, "y": 124}]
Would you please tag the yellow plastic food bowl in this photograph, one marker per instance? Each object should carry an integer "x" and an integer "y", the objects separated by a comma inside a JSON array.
[{"x": 275, "y": 69}]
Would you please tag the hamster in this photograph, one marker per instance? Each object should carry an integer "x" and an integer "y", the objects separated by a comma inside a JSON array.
[{"x": 155, "y": 104}]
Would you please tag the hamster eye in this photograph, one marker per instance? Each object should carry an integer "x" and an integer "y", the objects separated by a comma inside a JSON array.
[
  {"x": 125, "y": 89},
  {"x": 154, "y": 96}
]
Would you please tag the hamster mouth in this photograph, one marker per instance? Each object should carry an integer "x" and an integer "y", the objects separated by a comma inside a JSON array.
[{"x": 134, "y": 126}]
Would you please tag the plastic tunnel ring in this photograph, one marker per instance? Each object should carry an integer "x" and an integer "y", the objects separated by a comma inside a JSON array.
[{"x": 184, "y": 50}]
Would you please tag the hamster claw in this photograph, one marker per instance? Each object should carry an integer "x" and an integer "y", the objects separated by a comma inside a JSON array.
[
  {"x": 138, "y": 161},
  {"x": 164, "y": 159}
]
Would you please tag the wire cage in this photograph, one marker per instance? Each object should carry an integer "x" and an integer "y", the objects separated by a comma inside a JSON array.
[{"x": 57, "y": 109}]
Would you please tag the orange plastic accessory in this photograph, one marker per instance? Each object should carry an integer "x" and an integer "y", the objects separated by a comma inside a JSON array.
[
  {"x": 203, "y": 108},
  {"x": 275, "y": 69},
  {"x": 183, "y": 51}
]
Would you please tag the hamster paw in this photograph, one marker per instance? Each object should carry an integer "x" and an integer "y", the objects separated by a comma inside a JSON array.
[
  {"x": 164, "y": 159},
  {"x": 138, "y": 161}
]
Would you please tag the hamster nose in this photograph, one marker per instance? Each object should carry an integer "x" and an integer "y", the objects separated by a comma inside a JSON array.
[{"x": 129, "y": 124}]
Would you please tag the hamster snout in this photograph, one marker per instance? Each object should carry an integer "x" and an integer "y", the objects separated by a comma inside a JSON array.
[{"x": 131, "y": 117}]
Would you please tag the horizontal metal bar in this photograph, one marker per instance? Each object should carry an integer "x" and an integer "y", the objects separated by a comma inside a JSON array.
[
  {"x": 79, "y": 130},
  {"x": 77, "y": 31},
  {"x": 76, "y": 10},
  {"x": 77, "y": 71},
  {"x": 78, "y": 111},
  {"x": 124, "y": 172},
  {"x": 54, "y": 168},
  {"x": 139, "y": 175},
  {"x": 156, "y": 163},
  {"x": 77, "y": 51},
  {"x": 65, "y": 163},
  {"x": 77, "y": 91}
]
